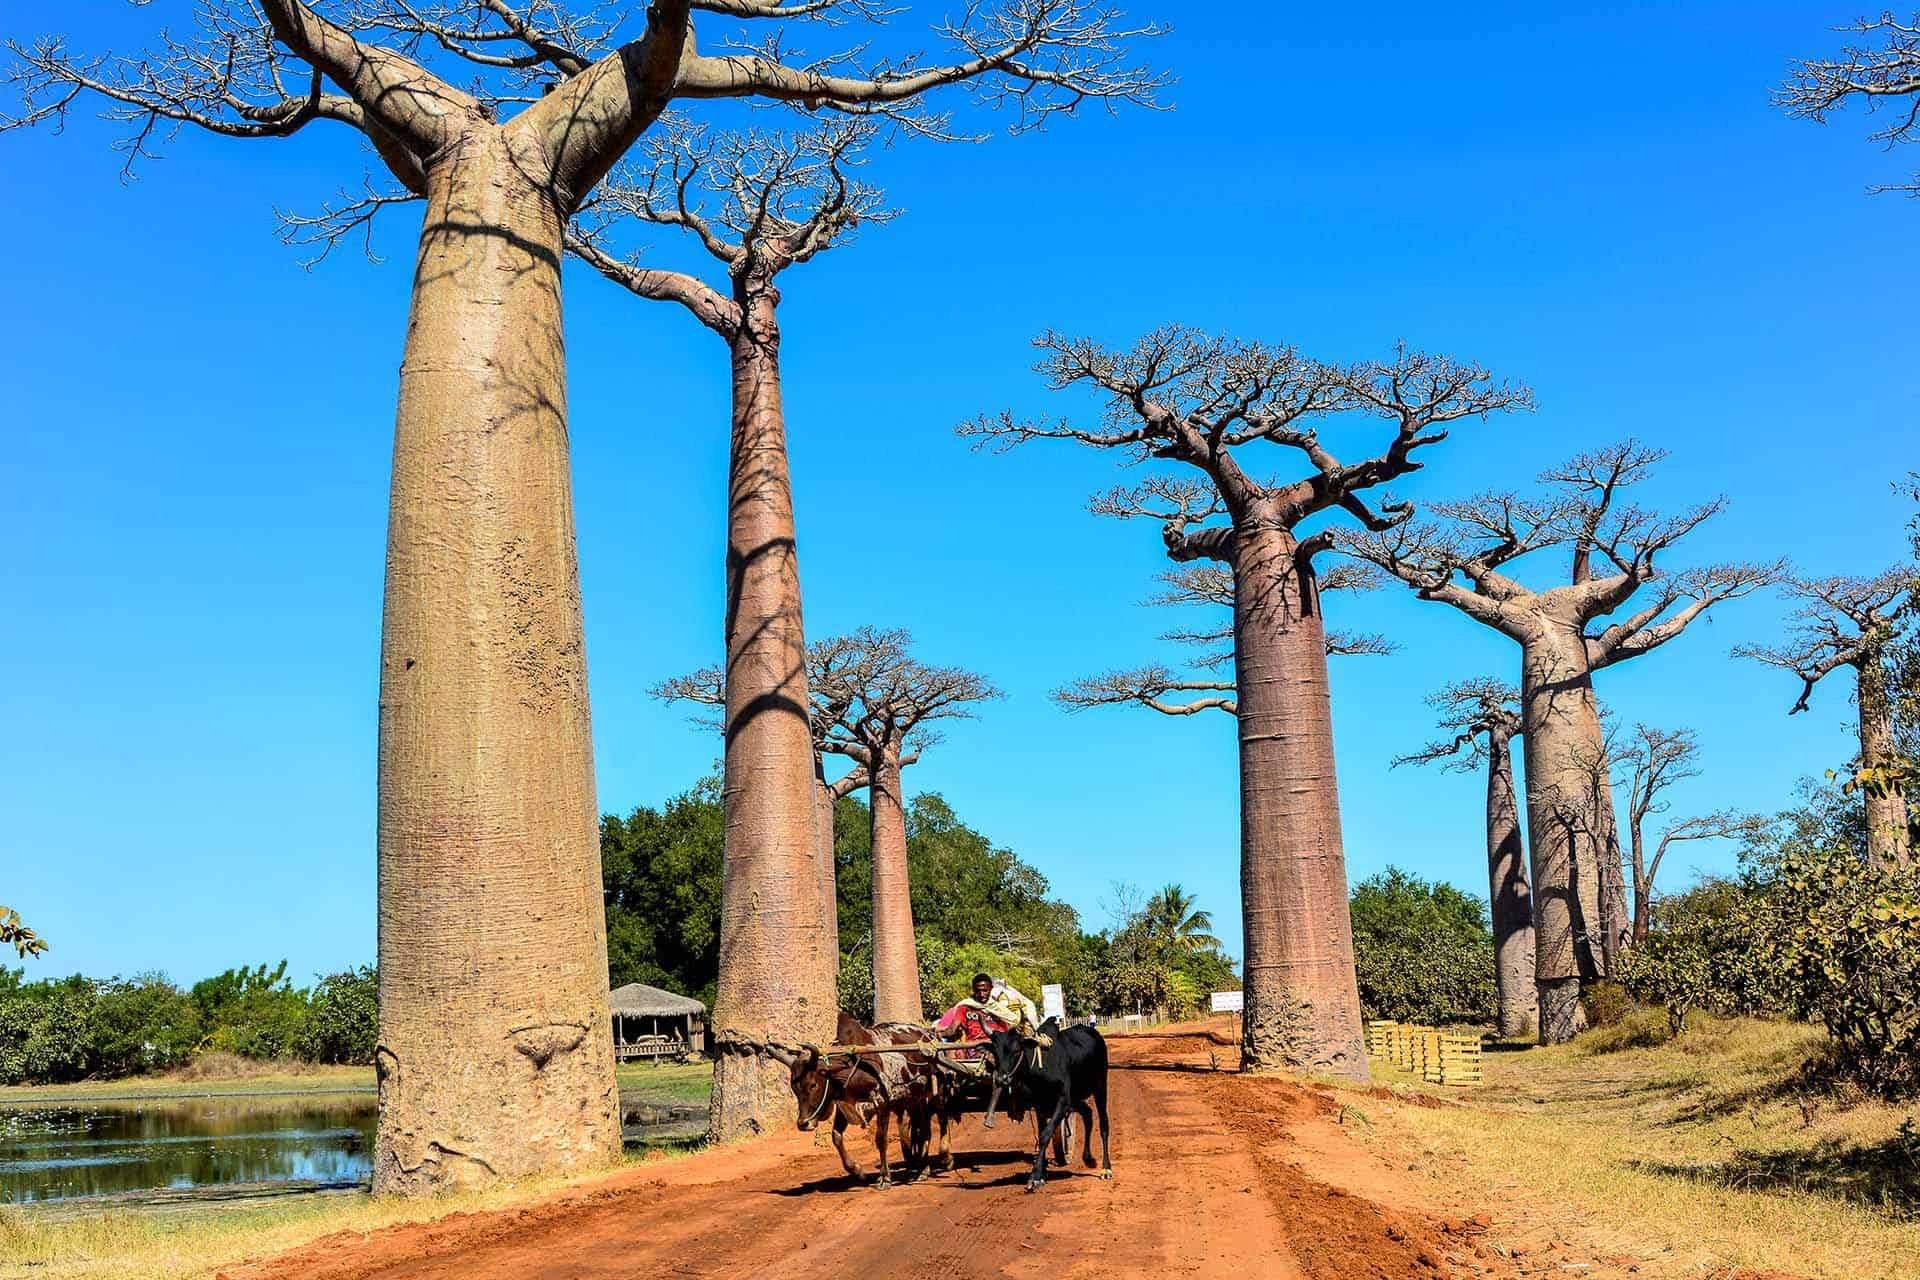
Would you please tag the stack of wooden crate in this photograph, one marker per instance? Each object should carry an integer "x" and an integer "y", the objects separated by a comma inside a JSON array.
[
  {"x": 1459, "y": 1058},
  {"x": 1436, "y": 1056}
]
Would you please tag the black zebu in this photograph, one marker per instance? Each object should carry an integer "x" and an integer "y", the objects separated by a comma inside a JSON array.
[{"x": 1056, "y": 1071}]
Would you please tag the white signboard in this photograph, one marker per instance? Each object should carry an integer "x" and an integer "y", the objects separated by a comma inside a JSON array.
[
  {"x": 1053, "y": 1002},
  {"x": 1229, "y": 1001}
]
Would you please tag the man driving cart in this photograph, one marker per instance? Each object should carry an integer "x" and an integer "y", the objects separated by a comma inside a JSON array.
[{"x": 996, "y": 1005}]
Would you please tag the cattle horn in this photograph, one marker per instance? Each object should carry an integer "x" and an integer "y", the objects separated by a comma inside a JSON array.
[{"x": 780, "y": 1054}]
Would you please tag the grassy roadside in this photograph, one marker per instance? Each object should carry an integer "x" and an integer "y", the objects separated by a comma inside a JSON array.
[
  {"x": 678, "y": 1082},
  {"x": 1693, "y": 1155},
  {"x": 278, "y": 1078},
  {"x": 194, "y": 1241}
]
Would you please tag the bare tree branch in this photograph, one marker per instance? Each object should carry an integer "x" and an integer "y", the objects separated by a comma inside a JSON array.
[
  {"x": 1148, "y": 686},
  {"x": 1472, "y": 711},
  {"x": 1883, "y": 73},
  {"x": 1841, "y": 622}
]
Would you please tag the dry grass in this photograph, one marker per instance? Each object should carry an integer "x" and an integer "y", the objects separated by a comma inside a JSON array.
[
  {"x": 230, "y": 1075},
  {"x": 1696, "y": 1155},
  {"x": 135, "y": 1244}
]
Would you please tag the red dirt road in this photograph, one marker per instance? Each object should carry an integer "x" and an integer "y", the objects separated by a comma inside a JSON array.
[{"x": 1204, "y": 1188}]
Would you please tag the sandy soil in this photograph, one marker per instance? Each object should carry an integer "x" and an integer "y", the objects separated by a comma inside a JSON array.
[{"x": 1218, "y": 1175}]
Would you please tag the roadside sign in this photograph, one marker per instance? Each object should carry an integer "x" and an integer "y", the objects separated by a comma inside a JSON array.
[
  {"x": 1228, "y": 1001},
  {"x": 1053, "y": 1002}
]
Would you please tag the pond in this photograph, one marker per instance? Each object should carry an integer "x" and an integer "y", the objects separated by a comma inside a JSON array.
[{"x": 63, "y": 1150}]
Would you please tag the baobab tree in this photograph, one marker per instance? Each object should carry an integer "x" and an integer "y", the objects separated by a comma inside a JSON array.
[
  {"x": 492, "y": 951},
  {"x": 1857, "y": 624},
  {"x": 888, "y": 702},
  {"x": 1883, "y": 69},
  {"x": 1616, "y": 557},
  {"x": 1656, "y": 761},
  {"x": 1180, "y": 396},
  {"x": 1483, "y": 717},
  {"x": 759, "y": 203}
]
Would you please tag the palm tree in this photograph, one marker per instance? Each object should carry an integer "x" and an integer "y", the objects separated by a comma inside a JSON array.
[{"x": 1175, "y": 925}]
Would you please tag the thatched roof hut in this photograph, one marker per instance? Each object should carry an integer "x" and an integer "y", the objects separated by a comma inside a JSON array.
[
  {"x": 638, "y": 1000},
  {"x": 651, "y": 1023}
]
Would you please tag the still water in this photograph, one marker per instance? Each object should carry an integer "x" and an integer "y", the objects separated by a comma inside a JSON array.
[{"x": 97, "y": 1148}]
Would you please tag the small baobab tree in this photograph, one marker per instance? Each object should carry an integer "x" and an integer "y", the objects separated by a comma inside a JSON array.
[
  {"x": 1484, "y": 718},
  {"x": 1882, "y": 69},
  {"x": 1857, "y": 624},
  {"x": 760, "y": 203},
  {"x": 1657, "y": 760},
  {"x": 1183, "y": 397},
  {"x": 501, "y": 117},
  {"x": 886, "y": 703},
  {"x": 1616, "y": 557}
]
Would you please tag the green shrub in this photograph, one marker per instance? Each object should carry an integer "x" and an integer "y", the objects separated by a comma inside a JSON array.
[
  {"x": 1607, "y": 1003},
  {"x": 343, "y": 1018},
  {"x": 1845, "y": 937},
  {"x": 45, "y": 1029},
  {"x": 1423, "y": 951},
  {"x": 144, "y": 1023}
]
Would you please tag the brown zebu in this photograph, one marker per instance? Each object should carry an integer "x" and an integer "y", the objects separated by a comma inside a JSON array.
[{"x": 871, "y": 1090}]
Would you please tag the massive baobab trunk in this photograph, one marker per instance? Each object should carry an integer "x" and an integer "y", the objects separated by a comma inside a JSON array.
[
  {"x": 1562, "y": 740},
  {"x": 1303, "y": 1003},
  {"x": 772, "y": 926},
  {"x": 494, "y": 1058},
  {"x": 896, "y": 962},
  {"x": 1510, "y": 897}
]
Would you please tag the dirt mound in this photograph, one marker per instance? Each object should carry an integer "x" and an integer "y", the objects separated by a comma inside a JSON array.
[{"x": 1335, "y": 1235}]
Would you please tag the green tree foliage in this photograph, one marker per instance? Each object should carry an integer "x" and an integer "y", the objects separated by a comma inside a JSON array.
[
  {"x": 1809, "y": 929},
  {"x": 343, "y": 1018},
  {"x": 81, "y": 1028},
  {"x": 254, "y": 1012},
  {"x": 1423, "y": 950},
  {"x": 14, "y": 933},
  {"x": 1162, "y": 958},
  {"x": 660, "y": 869},
  {"x": 975, "y": 906},
  {"x": 46, "y": 1028},
  {"x": 143, "y": 1023}
]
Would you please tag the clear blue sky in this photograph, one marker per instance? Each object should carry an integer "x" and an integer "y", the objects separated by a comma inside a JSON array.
[{"x": 1599, "y": 201}]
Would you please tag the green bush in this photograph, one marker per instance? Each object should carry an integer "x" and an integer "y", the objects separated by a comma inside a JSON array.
[
  {"x": 45, "y": 1029},
  {"x": 343, "y": 1018},
  {"x": 1845, "y": 937},
  {"x": 144, "y": 1023},
  {"x": 1423, "y": 951}
]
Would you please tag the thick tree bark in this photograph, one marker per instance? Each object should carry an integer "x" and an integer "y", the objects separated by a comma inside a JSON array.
[
  {"x": 1302, "y": 1002},
  {"x": 772, "y": 934},
  {"x": 1616, "y": 923},
  {"x": 823, "y": 807},
  {"x": 494, "y": 1055},
  {"x": 896, "y": 961},
  {"x": 1887, "y": 842},
  {"x": 1510, "y": 897},
  {"x": 1561, "y": 740}
]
